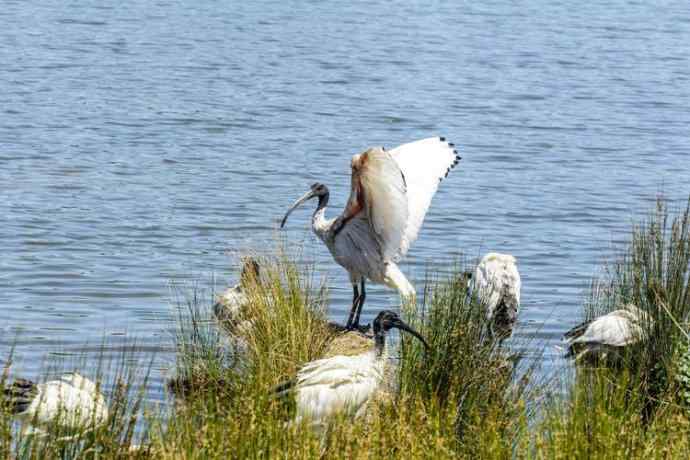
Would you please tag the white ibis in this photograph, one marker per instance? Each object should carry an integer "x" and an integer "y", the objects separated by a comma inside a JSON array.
[
  {"x": 72, "y": 402},
  {"x": 345, "y": 383},
  {"x": 497, "y": 284},
  {"x": 608, "y": 333},
  {"x": 229, "y": 307},
  {"x": 391, "y": 191}
]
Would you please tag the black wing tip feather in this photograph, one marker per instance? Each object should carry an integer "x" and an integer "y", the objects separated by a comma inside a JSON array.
[
  {"x": 283, "y": 388},
  {"x": 455, "y": 161},
  {"x": 20, "y": 394},
  {"x": 570, "y": 353},
  {"x": 578, "y": 330}
]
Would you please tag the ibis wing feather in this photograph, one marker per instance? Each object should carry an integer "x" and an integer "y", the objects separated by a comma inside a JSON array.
[
  {"x": 382, "y": 194},
  {"x": 332, "y": 378},
  {"x": 327, "y": 386},
  {"x": 329, "y": 370},
  {"x": 424, "y": 164},
  {"x": 578, "y": 330},
  {"x": 73, "y": 406},
  {"x": 357, "y": 248}
]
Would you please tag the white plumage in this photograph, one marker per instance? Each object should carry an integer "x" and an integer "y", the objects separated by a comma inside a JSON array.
[
  {"x": 379, "y": 193},
  {"x": 423, "y": 174},
  {"x": 339, "y": 384},
  {"x": 497, "y": 282},
  {"x": 72, "y": 402},
  {"x": 230, "y": 308},
  {"x": 229, "y": 304},
  {"x": 609, "y": 332},
  {"x": 390, "y": 194}
]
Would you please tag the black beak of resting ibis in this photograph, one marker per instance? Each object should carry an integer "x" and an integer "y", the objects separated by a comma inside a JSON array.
[
  {"x": 306, "y": 197},
  {"x": 403, "y": 326}
]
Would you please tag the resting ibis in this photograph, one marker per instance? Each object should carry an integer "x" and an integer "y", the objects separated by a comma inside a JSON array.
[{"x": 344, "y": 383}]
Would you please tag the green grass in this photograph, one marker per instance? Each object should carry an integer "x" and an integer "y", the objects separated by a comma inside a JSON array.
[{"x": 469, "y": 396}]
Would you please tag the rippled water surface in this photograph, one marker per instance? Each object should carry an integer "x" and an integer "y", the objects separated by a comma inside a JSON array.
[{"x": 147, "y": 142}]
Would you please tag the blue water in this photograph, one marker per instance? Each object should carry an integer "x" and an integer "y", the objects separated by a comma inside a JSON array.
[{"x": 144, "y": 143}]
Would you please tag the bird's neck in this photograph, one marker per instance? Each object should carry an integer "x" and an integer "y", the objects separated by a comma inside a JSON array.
[
  {"x": 319, "y": 223},
  {"x": 380, "y": 344}
]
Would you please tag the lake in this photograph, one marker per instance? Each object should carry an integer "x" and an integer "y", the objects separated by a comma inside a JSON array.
[{"x": 147, "y": 144}]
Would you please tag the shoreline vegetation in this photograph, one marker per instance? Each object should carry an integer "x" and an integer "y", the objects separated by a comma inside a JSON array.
[{"x": 468, "y": 396}]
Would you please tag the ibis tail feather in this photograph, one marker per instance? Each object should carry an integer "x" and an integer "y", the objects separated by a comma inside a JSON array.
[
  {"x": 20, "y": 394},
  {"x": 283, "y": 388}
]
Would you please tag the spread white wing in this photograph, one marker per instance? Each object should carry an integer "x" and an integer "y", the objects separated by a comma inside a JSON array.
[
  {"x": 393, "y": 189},
  {"x": 424, "y": 164},
  {"x": 379, "y": 193}
]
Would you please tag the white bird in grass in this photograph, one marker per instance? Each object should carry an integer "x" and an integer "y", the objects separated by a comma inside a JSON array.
[
  {"x": 71, "y": 402},
  {"x": 338, "y": 384},
  {"x": 609, "y": 333},
  {"x": 229, "y": 307},
  {"x": 391, "y": 191},
  {"x": 497, "y": 283}
]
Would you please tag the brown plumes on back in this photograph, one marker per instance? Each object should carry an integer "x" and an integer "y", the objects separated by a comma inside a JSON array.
[{"x": 357, "y": 198}]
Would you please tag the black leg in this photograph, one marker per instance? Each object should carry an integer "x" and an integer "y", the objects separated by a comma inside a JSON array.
[
  {"x": 355, "y": 301},
  {"x": 362, "y": 297}
]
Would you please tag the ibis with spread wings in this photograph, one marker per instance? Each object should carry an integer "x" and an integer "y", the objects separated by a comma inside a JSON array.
[{"x": 391, "y": 192}]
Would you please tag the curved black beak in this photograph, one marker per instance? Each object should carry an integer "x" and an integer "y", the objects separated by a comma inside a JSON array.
[
  {"x": 403, "y": 326},
  {"x": 306, "y": 197}
]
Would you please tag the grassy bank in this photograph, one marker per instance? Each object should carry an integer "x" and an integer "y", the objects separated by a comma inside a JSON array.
[
  {"x": 467, "y": 397},
  {"x": 636, "y": 407},
  {"x": 458, "y": 399}
]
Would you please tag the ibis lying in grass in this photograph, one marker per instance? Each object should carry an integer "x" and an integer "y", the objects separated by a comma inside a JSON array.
[
  {"x": 607, "y": 335},
  {"x": 72, "y": 403},
  {"x": 344, "y": 383}
]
